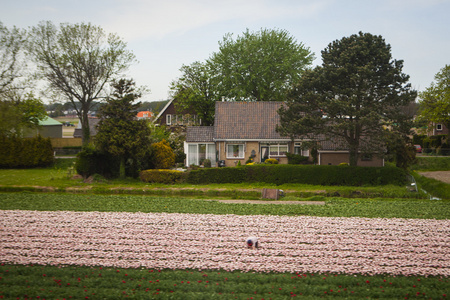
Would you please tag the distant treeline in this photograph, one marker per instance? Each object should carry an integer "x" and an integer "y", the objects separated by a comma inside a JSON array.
[{"x": 57, "y": 109}]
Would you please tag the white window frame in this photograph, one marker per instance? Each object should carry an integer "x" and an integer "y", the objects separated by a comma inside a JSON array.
[
  {"x": 241, "y": 154},
  {"x": 210, "y": 153},
  {"x": 271, "y": 146},
  {"x": 301, "y": 151},
  {"x": 168, "y": 119},
  {"x": 439, "y": 127}
]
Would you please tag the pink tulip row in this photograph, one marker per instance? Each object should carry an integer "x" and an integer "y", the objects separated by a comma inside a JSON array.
[{"x": 196, "y": 241}]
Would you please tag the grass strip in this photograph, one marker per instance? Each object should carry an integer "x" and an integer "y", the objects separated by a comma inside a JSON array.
[
  {"x": 49, "y": 282},
  {"x": 334, "y": 207},
  {"x": 438, "y": 188}
]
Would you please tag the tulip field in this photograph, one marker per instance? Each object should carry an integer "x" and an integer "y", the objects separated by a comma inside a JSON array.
[
  {"x": 101, "y": 246},
  {"x": 114, "y": 255},
  {"x": 204, "y": 242}
]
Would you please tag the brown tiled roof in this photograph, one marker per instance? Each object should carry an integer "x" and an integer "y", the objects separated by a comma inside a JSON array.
[
  {"x": 199, "y": 134},
  {"x": 246, "y": 120},
  {"x": 335, "y": 143}
]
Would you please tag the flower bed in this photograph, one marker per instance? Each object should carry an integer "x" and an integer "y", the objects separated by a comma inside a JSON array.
[{"x": 197, "y": 241}]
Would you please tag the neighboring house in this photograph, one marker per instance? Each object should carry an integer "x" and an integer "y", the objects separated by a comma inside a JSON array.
[
  {"x": 333, "y": 152},
  {"x": 437, "y": 129},
  {"x": 47, "y": 128},
  {"x": 169, "y": 117},
  {"x": 241, "y": 130},
  {"x": 144, "y": 115},
  {"x": 244, "y": 130},
  {"x": 93, "y": 122}
]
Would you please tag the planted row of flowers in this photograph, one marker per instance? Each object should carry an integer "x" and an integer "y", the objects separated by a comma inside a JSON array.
[{"x": 198, "y": 241}]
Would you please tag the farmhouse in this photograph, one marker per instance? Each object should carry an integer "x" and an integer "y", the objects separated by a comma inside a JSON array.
[{"x": 246, "y": 131}]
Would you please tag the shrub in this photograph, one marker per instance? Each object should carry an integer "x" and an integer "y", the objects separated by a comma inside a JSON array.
[
  {"x": 91, "y": 161},
  {"x": 308, "y": 174},
  {"x": 25, "y": 152},
  {"x": 217, "y": 175},
  {"x": 272, "y": 161},
  {"x": 163, "y": 156},
  {"x": 297, "y": 159},
  {"x": 161, "y": 176},
  {"x": 207, "y": 163}
]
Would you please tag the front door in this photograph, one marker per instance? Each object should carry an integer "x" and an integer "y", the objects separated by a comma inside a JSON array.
[{"x": 264, "y": 153}]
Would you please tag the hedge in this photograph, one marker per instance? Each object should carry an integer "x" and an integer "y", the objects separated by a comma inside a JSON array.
[
  {"x": 161, "y": 176},
  {"x": 303, "y": 174},
  {"x": 91, "y": 161},
  {"x": 19, "y": 152}
]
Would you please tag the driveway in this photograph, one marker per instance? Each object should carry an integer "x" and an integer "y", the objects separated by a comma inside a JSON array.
[{"x": 443, "y": 176}]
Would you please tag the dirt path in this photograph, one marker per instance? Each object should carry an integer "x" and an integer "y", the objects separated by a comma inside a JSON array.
[
  {"x": 272, "y": 202},
  {"x": 443, "y": 176}
]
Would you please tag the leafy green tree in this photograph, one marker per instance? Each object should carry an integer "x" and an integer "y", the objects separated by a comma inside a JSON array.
[
  {"x": 195, "y": 90},
  {"x": 21, "y": 114},
  {"x": 435, "y": 100},
  {"x": 357, "y": 92},
  {"x": 78, "y": 61},
  {"x": 259, "y": 66},
  {"x": 119, "y": 133}
]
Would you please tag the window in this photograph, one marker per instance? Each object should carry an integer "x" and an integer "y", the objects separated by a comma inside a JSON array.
[
  {"x": 168, "y": 119},
  {"x": 278, "y": 150},
  {"x": 235, "y": 151},
  {"x": 439, "y": 127},
  {"x": 197, "y": 153},
  {"x": 298, "y": 150},
  {"x": 366, "y": 157}
]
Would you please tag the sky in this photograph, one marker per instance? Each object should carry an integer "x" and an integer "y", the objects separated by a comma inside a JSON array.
[{"x": 165, "y": 35}]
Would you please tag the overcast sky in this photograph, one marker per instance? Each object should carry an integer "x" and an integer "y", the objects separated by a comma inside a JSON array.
[{"x": 166, "y": 34}]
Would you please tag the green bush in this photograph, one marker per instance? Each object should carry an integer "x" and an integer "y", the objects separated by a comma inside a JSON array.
[
  {"x": 25, "y": 152},
  {"x": 307, "y": 174},
  {"x": 297, "y": 159},
  {"x": 217, "y": 175},
  {"x": 161, "y": 176},
  {"x": 91, "y": 161}
]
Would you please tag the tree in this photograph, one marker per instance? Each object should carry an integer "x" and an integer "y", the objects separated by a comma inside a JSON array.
[
  {"x": 12, "y": 64},
  {"x": 435, "y": 100},
  {"x": 196, "y": 90},
  {"x": 355, "y": 94},
  {"x": 21, "y": 114},
  {"x": 78, "y": 61},
  {"x": 259, "y": 66},
  {"x": 119, "y": 133}
]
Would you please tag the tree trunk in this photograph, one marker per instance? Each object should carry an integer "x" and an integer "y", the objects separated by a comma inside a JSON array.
[
  {"x": 85, "y": 130},
  {"x": 122, "y": 168},
  {"x": 353, "y": 155}
]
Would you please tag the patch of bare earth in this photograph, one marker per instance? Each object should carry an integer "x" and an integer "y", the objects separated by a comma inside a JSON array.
[
  {"x": 443, "y": 176},
  {"x": 272, "y": 202}
]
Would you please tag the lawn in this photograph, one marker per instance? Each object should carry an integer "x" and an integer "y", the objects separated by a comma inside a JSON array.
[
  {"x": 66, "y": 281},
  {"x": 59, "y": 178}
]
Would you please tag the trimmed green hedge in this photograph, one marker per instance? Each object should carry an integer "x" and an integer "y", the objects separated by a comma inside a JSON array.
[
  {"x": 161, "y": 176},
  {"x": 25, "y": 152},
  {"x": 303, "y": 174},
  {"x": 91, "y": 161}
]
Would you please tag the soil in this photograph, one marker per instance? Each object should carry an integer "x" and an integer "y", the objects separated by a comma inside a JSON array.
[
  {"x": 272, "y": 202},
  {"x": 443, "y": 176}
]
